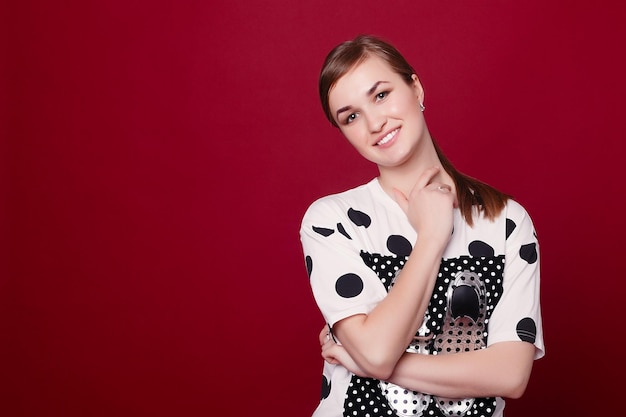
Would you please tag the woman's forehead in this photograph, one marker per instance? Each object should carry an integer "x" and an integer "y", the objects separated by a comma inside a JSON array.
[
  {"x": 362, "y": 77},
  {"x": 371, "y": 65}
]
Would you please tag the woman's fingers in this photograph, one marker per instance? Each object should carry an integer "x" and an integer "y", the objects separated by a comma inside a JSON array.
[
  {"x": 427, "y": 176},
  {"x": 324, "y": 334},
  {"x": 426, "y": 180},
  {"x": 328, "y": 351},
  {"x": 429, "y": 206}
]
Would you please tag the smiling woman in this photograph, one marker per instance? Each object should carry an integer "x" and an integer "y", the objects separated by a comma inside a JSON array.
[
  {"x": 422, "y": 257},
  {"x": 375, "y": 107}
]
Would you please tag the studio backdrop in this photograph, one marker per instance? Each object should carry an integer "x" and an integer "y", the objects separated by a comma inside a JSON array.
[{"x": 158, "y": 157}]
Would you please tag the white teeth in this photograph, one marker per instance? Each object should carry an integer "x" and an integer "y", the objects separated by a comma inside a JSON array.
[{"x": 387, "y": 138}]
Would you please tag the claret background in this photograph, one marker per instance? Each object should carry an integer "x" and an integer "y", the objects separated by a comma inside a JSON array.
[{"x": 157, "y": 157}]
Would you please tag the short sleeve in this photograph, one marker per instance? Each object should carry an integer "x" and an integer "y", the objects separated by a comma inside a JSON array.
[
  {"x": 518, "y": 314},
  {"x": 332, "y": 235}
]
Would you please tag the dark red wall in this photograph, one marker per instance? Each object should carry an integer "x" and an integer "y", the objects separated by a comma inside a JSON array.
[{"x": 158, "y": 157}]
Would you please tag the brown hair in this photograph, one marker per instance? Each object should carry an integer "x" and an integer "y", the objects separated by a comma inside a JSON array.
[{"x": 470, "y": 191}]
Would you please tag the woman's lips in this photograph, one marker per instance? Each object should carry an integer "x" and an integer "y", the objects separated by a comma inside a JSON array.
[{"x": 387, "y": 137}]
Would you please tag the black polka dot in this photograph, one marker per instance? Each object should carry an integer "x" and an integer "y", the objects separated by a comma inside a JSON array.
[
  {"x": 479, "y": 248},
  {"x": 323, "y": 231},
  {"x": 399, "y": 245},
  {"x": 527, "y": 330},
  {"x": 510, "y": 226},
  {"x": 343, "y": 231},
  {"x": 349, "y": 285},
  {"x": 309, "y": 265},
  {"x": 529, "y": 253},
  {"x": 359, "y": 218},
  {"x": 325, "y": 387}
]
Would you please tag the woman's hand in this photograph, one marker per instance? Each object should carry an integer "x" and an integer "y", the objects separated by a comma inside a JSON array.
[
  {"x": 429, "y": 206},
  {"x": 336, "y": 354}
]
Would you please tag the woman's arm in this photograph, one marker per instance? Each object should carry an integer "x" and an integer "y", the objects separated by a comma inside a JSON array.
[
  {"x": 500, "y": 370},
  {"x": 377, "y": 340}
]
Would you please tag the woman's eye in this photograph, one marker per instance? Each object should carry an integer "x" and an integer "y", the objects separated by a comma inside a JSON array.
[
  {"x": 351, "y": 118},
  {"x": 381, "y": 95}
]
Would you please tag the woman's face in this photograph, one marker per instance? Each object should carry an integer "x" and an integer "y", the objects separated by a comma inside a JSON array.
[{"x": 378, "y": 112}]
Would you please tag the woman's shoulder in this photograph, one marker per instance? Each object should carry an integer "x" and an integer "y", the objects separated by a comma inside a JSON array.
[
  {"x": 515, "y": 210},
  {"x": 344, "y": 200},
  {"x": 512, "y": 216},
  {"x": 518, "y": 221}
]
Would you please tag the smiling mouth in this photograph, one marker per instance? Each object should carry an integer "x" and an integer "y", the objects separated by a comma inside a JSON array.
[{"x": 387, "y": 137}]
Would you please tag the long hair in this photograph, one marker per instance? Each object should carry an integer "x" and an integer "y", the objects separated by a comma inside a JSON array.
[{"x": 473, "y": 196}]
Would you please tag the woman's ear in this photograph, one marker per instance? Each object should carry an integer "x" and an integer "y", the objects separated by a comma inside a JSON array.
[{"x": 417, "y": 86}]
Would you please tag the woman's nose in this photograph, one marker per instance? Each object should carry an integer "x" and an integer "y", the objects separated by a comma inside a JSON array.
[{"x": 376, "y": 122}]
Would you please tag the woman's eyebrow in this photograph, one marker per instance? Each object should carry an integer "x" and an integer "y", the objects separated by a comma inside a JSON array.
[
  {"x": 341, "y": 110},
  {"x": 375, "y": 86},
  {"x": 369, "y": 93}
]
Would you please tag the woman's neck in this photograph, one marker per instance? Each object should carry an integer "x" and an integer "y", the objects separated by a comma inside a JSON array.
[{"x": 403, "y": 177}]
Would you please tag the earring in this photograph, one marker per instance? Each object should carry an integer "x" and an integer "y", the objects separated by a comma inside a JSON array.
[{"x": 422, "y": 107}]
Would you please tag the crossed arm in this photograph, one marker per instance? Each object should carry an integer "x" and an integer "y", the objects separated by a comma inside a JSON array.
[
  {"x": 500, "y": 370},
  {"x": 378, "y": 339},
  {"x": 374, "y": 344}
]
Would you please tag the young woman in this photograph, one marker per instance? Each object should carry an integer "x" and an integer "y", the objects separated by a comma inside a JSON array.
[{"x": 427, "y": 278}]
